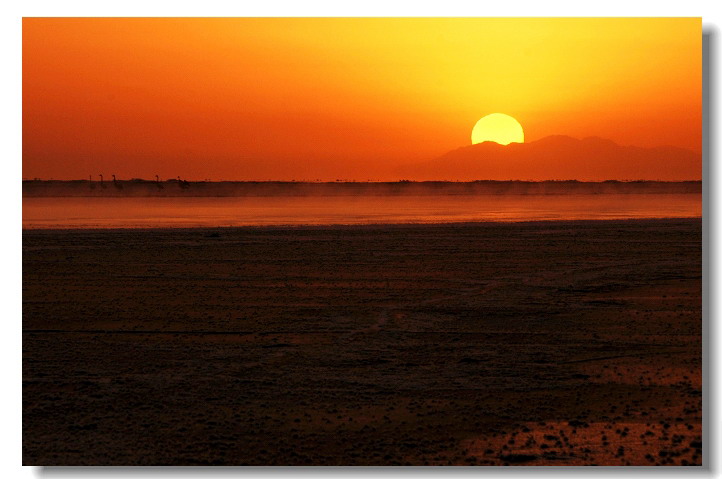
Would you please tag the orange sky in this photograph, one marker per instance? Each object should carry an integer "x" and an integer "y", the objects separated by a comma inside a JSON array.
[{"x": 323, "y": 99}]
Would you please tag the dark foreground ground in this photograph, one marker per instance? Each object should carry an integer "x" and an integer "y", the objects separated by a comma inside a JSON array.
[{"x": 551, "y": 343}]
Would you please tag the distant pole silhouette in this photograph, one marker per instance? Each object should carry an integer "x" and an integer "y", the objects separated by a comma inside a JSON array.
[
  {"x": 102, "y": 185},
  {"x": 117, "y": 184},
  {"x": 158, "y": 183}
]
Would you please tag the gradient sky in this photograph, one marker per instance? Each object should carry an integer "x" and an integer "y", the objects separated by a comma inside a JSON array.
[{"x": 306, "y": 99}]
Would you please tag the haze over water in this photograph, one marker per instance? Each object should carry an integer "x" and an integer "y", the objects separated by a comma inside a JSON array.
[{"x": 42, "y": 213}]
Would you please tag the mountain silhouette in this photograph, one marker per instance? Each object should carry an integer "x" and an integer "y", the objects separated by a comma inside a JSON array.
[{"x": 560, "y": 157}]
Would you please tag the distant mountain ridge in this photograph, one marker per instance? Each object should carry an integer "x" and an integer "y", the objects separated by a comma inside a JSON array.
[{"x": 560, "y": 157}]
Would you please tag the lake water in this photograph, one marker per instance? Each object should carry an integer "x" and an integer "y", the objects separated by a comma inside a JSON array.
[{"x": 335, "y": 210}]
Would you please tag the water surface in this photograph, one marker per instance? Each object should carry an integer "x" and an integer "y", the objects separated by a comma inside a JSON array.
[{"x": 327, "y": 210}]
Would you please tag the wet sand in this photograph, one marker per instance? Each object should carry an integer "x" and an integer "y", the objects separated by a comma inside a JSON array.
[{"x": 545, "y": 343}]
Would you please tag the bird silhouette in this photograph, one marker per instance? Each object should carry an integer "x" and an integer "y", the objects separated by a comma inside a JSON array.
[
  {"x": 183, "y": 183},
  {"x": 158, "y": 183},
  {"x": 102, "y": 185},
  {"x": 117, "y": 184}
]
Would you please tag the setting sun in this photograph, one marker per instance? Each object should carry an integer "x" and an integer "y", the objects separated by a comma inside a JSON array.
[{"x": 499, "y": 128}]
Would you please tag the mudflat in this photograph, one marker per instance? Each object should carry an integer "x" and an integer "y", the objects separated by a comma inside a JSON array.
[{"x": 541, "y": 343}]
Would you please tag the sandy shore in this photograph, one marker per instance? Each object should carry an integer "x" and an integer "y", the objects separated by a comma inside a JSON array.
[{"x": 559, "y": 343}]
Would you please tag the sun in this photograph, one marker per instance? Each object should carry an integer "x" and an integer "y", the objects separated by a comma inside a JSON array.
[{"x": 499, "y": 128}]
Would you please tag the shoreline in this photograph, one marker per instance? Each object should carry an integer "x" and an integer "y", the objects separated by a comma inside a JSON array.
[
  {"x": 337, "y": 226},
  {"x": 139, "y": 188}
]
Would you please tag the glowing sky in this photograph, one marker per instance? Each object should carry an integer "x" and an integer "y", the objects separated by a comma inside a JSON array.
[{"x": 340, "y": 98}]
